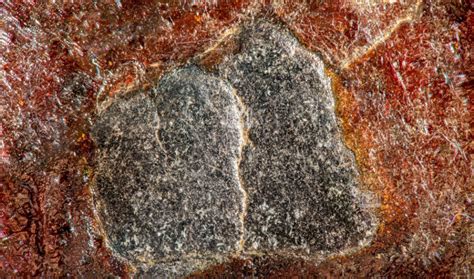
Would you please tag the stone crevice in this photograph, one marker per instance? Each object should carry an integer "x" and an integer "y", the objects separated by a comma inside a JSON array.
[{"x": 243, "y": 141}]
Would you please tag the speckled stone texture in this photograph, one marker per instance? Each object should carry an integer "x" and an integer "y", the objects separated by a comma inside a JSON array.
[
  {"x": 300, "y": 177},
  {"x": 166, "y": 183},
  {"x": 247, "y": 160}
]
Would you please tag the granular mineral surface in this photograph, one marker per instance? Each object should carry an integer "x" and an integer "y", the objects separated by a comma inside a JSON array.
[
  {"x": 167, "y": 183},
  {"x": 300, "y": 178},
  {"x": 246, "y": 160}
]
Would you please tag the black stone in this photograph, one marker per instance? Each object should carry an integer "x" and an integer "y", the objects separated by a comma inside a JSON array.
[
  {"x": 166, "y": 178},
  {"x": 250, "y": 160},
  {"x": 300, "y": 178}
]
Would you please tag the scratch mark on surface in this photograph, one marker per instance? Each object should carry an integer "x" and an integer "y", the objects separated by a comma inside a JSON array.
[
  {"x": 362, "y": 51},
  {"x": 228, "y": 33}
]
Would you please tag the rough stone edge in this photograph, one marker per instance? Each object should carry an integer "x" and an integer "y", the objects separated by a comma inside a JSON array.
[
  {"x": 146, "y": 267},
  {"x": 362, "y": 194}
]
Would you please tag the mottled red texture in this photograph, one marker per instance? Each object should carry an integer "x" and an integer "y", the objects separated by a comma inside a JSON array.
[
  {"x": 339, "y": 29},
  {"x": 404, "y": 99},
  {"x": 56, "y": 60},
  {"x": 405, "y": 107}
]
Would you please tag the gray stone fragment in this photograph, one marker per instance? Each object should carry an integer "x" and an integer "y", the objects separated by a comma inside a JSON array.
[
  {"x": 166, "y": 183},
  {"x": 300, "y": 178},
  {"x": 201, "y": 167}
]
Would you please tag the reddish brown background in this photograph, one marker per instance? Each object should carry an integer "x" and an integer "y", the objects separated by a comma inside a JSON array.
[{"x": 402, "y": 76}]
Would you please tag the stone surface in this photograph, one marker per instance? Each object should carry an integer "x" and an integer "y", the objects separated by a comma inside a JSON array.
[
  {"x": 166, "y": 182},
  {"x": 401, "y": 75},
  {"x": 193, "y": 169},
  {"x": 300, "y": 177}
]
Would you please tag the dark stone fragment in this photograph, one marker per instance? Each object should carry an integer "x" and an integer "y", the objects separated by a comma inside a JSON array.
[
  {"x": 193, "y": 170},
  {"x": 166, "y": 179},
  {"x": 300, "y": 177}
]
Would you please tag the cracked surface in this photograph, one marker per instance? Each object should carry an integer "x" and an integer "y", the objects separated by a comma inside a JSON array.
[{"x": 243, "y": 142}]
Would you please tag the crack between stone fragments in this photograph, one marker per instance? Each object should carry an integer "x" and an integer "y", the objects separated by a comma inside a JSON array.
[{"x": 244, "y": 140}]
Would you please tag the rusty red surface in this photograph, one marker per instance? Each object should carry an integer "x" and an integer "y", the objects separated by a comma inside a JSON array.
[{"x": 402, "y": 75}]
